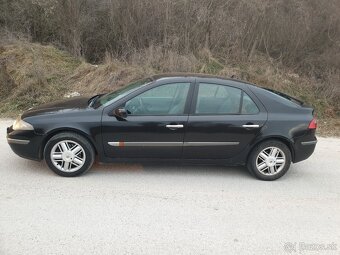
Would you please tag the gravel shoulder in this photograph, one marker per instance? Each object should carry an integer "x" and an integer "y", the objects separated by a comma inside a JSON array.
[{"x": 164, "y": 209}]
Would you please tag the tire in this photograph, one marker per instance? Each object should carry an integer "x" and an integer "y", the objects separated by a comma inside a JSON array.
[
  {"x": 69, "y": 154},
  {"x": 269, "y": 160}
]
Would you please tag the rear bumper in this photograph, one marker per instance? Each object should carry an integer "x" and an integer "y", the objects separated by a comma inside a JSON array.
[
  {"x": 304, "y": 148},
  {"x": 17, "y": 141},
  {"x": 25, "y": 143}
]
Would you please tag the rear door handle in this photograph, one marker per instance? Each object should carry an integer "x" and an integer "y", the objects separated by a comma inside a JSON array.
[
  {"x": 251, "y": 126},
  {"x": 174, "y": 126}
]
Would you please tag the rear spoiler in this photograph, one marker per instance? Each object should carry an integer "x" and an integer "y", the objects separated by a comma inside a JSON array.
[{"x": 293, "y": 99}]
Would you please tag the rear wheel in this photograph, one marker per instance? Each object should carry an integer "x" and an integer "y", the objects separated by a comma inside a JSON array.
[
  {"x": 69, "y": 154},
  {"x": 269, "y": 160}
]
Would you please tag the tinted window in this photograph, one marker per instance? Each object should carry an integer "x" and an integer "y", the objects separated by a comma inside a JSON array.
[
  {"x": 248, "y": 105},
  {"x": 167, "y": 99},
  {"x": 217, "y": 99}
]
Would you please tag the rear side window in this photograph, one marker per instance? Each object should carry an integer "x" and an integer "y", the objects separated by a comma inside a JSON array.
[
  {"x": 248, "y": 105},
  {"x": 214, "y": 99},
  {"x": 217, "y": 99}
]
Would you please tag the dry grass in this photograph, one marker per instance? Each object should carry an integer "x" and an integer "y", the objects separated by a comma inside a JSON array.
[
  {"x": 31, "y": 74},
  {"x": 94, "y": 79},
  {"x": 329, "y": 127},
  {"x": 324, "y": 96}
]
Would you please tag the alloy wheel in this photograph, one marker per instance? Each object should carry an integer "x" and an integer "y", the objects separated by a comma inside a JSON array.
[
  {"x": 270, "y": 161},
  {"x": 68, "y": 156}
]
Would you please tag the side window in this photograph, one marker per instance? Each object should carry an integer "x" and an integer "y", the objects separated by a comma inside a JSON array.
[
  {"x": 248, "y": 105},
  {"x": 166, "y": 99},
  {"x": 217, "y": 99}
]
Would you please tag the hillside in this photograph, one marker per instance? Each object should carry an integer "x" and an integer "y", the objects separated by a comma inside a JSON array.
[{"x": 31, "y": 74}]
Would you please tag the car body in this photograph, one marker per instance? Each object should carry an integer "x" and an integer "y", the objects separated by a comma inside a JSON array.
[{"x": 181, "y": 117}]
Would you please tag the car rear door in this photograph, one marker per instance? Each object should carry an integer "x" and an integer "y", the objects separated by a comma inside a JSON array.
[
  {"x": 154, "y": 126},
  {"x": 223, "y": 120}
]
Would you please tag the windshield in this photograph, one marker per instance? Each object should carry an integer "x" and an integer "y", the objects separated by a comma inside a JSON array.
[{"x": 120, "y": 93}]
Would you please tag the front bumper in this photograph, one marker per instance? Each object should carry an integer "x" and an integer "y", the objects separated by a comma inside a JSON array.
[{"x": 25, "y": 143}]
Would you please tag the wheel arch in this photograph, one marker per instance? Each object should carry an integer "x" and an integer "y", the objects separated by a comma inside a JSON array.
[
  {"x": 54, "y": 132},
  {"x": 282, "y": 139}
]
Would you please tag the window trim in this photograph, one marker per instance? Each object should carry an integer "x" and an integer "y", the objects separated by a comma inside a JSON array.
[
  {"x": 195, "y": 99},
  {"x": 186, "y": 106}
]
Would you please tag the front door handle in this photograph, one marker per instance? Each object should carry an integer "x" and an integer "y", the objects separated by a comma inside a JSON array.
[
  {"x": 174, "y": 126},
  {"x": 251, "y": 126}
]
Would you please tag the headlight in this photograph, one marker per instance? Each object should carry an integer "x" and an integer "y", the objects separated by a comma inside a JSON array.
[{"x": 19, "y": 124}]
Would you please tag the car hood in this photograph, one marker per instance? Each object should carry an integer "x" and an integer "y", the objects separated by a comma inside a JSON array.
[{"x": 73, "y": 104}]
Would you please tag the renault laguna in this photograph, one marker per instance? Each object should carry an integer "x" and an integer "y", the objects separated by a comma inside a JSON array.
[{"x": 186, "y": 118}]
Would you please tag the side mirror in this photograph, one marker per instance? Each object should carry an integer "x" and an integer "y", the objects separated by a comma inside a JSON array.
[{"x": 120, "y": 113}]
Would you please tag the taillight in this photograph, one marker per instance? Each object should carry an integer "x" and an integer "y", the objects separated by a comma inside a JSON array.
[{"x": 313, "y": 124}]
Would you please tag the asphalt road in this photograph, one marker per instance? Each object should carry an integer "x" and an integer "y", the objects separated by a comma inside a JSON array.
[{"x": 135, "y": 209}]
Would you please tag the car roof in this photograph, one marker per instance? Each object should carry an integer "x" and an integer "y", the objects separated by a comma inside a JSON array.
[{"x": 197, "y": 75}]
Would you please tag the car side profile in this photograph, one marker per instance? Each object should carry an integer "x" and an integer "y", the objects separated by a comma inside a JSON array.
[{"x": 181, "y": 117}]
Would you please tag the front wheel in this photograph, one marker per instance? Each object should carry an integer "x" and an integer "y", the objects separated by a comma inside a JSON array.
[
  {"x": 269, "y": 160},
  {"x": 69, "y": 154}
]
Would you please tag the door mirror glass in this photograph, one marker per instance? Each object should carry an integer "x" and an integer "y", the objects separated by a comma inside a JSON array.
[{"x": 120, "y": 113}]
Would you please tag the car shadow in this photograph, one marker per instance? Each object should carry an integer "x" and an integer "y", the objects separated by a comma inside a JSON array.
[
  {"x": 98, "y": 169},
  {"x": 166, "y": 169},
  {"x": 40, "y": 168}
]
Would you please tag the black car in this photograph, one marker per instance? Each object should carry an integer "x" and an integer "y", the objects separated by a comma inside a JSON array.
[{"x": 185, "y": 117}]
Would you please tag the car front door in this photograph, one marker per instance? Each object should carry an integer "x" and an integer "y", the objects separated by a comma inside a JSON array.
[
  {"x": 223, "y": 121},
  {"x": 154, "y": 124}
]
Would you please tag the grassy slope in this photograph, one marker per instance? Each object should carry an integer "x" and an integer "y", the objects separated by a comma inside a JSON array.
[{"x": 31, "y": 74}]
